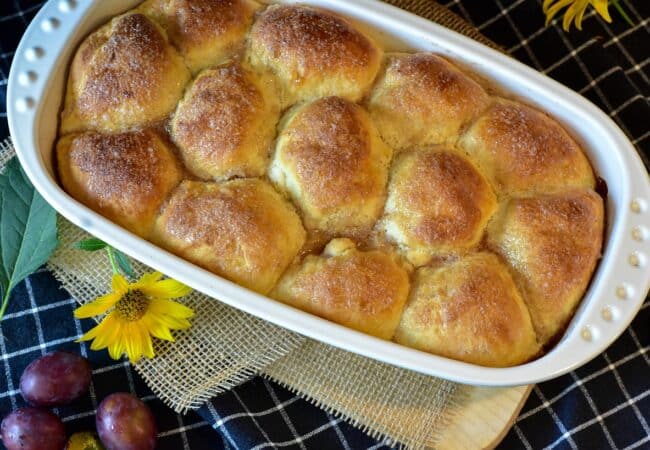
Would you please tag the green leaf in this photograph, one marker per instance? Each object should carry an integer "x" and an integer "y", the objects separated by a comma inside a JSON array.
[
  {"x": 90, "y": 245},
  {"x": 27, "y": 229},
  {"x": 124, "y": 263}
]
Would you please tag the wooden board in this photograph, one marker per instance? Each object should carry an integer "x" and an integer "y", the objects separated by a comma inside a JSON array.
[{"x": 484, "y": 418}]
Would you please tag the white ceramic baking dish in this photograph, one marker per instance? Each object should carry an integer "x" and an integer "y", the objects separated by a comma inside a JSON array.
[{"x": 36, "y": 86}]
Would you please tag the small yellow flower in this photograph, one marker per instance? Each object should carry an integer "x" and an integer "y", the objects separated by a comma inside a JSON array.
[
  {"x": 140, "y": 310},
  {"x": 575, "y": 11}
]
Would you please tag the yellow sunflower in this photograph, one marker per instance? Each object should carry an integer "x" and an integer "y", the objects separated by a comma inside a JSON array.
[
  {"x": 575, "y": 11},
  {"x": 140, "y": 310}
]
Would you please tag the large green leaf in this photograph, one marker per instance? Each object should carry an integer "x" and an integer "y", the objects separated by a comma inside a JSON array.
[{"x": 27, "y": 229}]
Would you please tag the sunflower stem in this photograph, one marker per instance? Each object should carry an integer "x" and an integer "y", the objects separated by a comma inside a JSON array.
[
  {"x": 5, "y": 301},
  {"x": 622, "y": 12},
  {"x": 111, "y": 258}
]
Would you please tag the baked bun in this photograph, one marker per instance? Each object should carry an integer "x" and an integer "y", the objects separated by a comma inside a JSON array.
[
  {"x": 124, "y": 177},
  {"x": 438, "y": 204},
  {"x": 553, "y": 243},
  {"x": 123, "y": 74},
  {"x": 205, "y": 32},
  {"x": 331, "y": 161},
  {"x": 313, "y": 53},
  {"x": 242, "y": 230},
  {"x": 423, "y": 99},
  {"x": 365, "y": 291},
  {"x": 225, "y": 123},
  {"x": 521, "y": 150},
  {"x": 469, "y": 310}
]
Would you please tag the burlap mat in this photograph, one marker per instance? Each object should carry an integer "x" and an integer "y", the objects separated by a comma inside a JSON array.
[
  {"x": 431, "y": 10},
  {"x": 225, "y": 346}
]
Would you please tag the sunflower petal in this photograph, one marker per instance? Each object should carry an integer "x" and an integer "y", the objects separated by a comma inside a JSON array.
[
  {"x": 601, "y": 7},
  {"x": 98, "y": 306},
  {"x": 116, "y": 349},
  {"x": 149, "y": 278},
  {"x": 569, "y": 14},
  {"x": 547, "y": 4},
  {"x": 166, "y": 289},
  {"x": 578, "y": 19},
  {"x": 89, "y": 335},
  {"x": 132, "y": 342},
  {"x": 101, "y": 328},
  {"x": 147, "y": 345},
  {"x": 119, "y": 284},
  {"x": 174, "y": 323},
  {"x": 157, "y": 329},
  {"x": 108, "y": 334},
  {"x": 124, "y": 339},
  {"x": 95, "y": 346},
  {"x": 553, "y": 10},
  {"x": 162, "y": 306},
  {"x": 572, "y": 12}
]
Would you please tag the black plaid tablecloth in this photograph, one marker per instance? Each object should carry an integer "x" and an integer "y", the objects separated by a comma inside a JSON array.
[{"x": 604, "y": 404}]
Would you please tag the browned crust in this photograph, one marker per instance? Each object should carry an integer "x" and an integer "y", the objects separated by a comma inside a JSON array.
[
  {"x": 424, "y": 99},
  {"x": 313, "y": 53},
  {"x": 523, "y": 149},
  {"x": 312, "y": 40},
  {"x": 330, "y": 146},
  {"x": 448, "y": 196},
  {"x": 198, "y": 21},
  {"x": 553, "y": 243},
  {"x": 213, "y": 27},
  {"x": 364, "y": 290},
  {"x": 470, "y": 310},
  {"x": 224, "y": 124},
  {"x": 211, "y": 119},
  {"x": 368, "y": 282},
  {"x": 122, "y": 75},
  {"x": 241, "y": 229},
  {"x": 123, "y": 176},
  {"x": 130, "y": 66},
  {"x": 337, "y": 162},
  {"x": 207, "y": 213}
]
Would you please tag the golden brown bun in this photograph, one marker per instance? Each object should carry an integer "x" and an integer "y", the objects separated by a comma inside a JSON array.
[
  {"x": 241, "y": 229},
  {"x": 468, "y": 310},
  {"x": 313, "y": 53},
  {"x": 123, "y": 74},
  {"x": 553, "y": 243},
  {"x": 521, "y": 149},
  {"x": 225, "y": 123},
  {"x": 365, "y": 291},
  {"x": 331, "y": 161},
  {"x": 206, "y": 32},
  {"x": 438, "y": 204},
  {"x": 125, "y": 177},
  {"x": 423, "y": 99}
]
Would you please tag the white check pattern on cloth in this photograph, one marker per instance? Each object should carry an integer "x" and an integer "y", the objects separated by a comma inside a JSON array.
[{"x": 39, "y": 319}]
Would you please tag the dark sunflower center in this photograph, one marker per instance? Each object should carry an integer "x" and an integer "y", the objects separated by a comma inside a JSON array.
[{"x": 132, "y": 305}]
